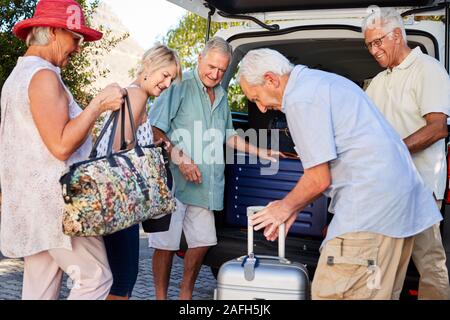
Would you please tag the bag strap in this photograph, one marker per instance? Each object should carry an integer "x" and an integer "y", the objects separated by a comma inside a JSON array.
[
  {"x": 93, "y": 153},
  {"x": 123, "y": 144},
  {"x": 137, "y": 147},
  {"x": 112, "y": 118},
  {"x": 109, "y": 152}
]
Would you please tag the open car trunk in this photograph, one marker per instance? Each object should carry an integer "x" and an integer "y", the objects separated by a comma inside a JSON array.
[
  {"x": 251, "y": 6},
  {"x": 275, "y": 10},
  {"x": 334, "y": 48}
]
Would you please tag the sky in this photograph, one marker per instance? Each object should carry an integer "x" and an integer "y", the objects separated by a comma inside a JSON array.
[{"x": 147, "y": 20}]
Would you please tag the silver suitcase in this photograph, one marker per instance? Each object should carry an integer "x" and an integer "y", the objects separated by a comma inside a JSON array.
[{"x": 254, "y": 277}]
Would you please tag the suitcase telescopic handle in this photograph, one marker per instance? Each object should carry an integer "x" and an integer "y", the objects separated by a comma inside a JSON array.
[{"x": 281, "y": 233}]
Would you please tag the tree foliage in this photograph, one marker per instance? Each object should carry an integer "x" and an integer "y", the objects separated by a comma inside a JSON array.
[
  {"x": 83, "y": 69},
  {"x": 188, "y": 39},
  {"x": 11, "y": 47}
]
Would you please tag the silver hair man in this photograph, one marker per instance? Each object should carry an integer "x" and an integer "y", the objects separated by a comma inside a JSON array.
[
  {"x": 218, "y": 44},
  {"x": 257, "y": 62},
  {"x": 388, "y": 18},
  {"x": 413, "y": 96}
]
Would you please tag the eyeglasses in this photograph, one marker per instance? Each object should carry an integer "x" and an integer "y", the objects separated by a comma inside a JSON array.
[
  {"x": 77, "y": 37},
  {"x": 377, "y": 42}
]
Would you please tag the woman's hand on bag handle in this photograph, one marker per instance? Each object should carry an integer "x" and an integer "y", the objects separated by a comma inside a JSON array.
[
  {"x": 110, "y": 98},
  {"x": 49, "y": 104}
]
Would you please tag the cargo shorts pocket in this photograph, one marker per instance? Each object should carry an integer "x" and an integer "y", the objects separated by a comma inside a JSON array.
[{"x": 346, "y": 268}]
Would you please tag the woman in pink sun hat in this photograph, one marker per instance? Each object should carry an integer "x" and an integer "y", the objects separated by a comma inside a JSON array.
[
  {"x": 65, "y": 14},
  {"x": 42, "y": 131}
]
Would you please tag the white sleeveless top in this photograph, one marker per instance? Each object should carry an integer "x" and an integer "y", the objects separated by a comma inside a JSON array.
[
  {"x": 32, "y": 203},
  {"x": 144, "y": 135}
]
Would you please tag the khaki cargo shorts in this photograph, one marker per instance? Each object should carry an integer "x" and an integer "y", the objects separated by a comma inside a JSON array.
[{"x": 362, "y": 265}]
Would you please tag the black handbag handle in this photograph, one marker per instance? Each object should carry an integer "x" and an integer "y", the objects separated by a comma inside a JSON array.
[
  {"x": 123, "y": 144},
  {"x": 137, "y": 147},
  {"x": 114, "y": 117},
  {"x": 93, "y": 153},
  {"x": 109, "y": 150}
]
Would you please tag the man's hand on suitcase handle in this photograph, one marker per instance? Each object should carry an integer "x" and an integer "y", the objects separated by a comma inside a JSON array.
[
  {"x": 271, "y": 217},
  {"x": 290, "y": 221}
]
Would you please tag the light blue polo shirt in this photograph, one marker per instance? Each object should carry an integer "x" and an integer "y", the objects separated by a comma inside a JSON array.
[
  {"x": 184, "y": 112},
  {"x": 375, "y": 186}
]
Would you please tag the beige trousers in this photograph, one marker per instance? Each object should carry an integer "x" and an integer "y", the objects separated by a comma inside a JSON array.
[
  {"x": 429, "y": 258},
  {"x": 86, "y": 265},
  {"x": 362, "y": 265}
]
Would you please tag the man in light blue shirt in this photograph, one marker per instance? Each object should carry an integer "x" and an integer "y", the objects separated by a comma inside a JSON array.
[
  {"x": 352, "y": 155},
  {"x": 194, "y": 119}
]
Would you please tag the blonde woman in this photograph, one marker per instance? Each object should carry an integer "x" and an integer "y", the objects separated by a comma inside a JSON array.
[{"x": 158, "y": 69}]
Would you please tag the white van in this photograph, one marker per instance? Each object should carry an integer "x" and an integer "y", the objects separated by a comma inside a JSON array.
[{"x": 322, "y": 34}]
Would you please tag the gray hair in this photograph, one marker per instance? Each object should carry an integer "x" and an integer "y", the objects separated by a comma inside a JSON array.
[
  {"x": 388, "y": 18},
  {"x": 38, "y": 36},
  {"x": 257, "y": 62},
  {"x": 218, "y": 44}
]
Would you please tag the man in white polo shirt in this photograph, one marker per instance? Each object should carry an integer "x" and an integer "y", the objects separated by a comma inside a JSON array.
[{"x": 413, "y": 93}]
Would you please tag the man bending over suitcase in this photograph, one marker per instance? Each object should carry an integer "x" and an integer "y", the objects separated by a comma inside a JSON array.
[{"x": 352, "y": 155}]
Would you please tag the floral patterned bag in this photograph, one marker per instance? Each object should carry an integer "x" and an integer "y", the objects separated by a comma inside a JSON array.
[{"x": 107, "y": 194}]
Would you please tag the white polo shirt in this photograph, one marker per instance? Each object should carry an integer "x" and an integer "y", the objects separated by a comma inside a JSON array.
[{"x": 405, "y": 94}]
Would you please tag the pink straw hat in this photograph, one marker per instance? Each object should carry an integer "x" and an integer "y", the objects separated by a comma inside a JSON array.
[{"x": 66, "y": 14}]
